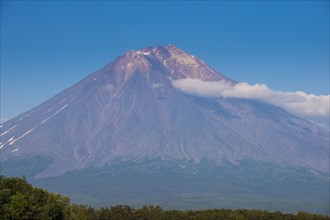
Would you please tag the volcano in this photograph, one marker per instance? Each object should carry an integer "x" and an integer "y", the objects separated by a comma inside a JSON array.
[{"x": 127, "y": 129}]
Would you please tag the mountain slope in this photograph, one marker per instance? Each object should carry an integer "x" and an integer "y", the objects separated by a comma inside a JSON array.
[{"x": 130, "y": 110}]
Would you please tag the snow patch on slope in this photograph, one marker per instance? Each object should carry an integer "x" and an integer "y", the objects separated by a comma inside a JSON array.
[
  {"x": 61, "y": 109},
  {"x": 15, "y": 150},
  {"x": 8, "y": 130},
  {"x": 26, "y": 133},
  {"x": 143, "y": 53}
]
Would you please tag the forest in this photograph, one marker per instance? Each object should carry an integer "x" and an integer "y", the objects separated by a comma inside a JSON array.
[{"x": 20, "y": 200}]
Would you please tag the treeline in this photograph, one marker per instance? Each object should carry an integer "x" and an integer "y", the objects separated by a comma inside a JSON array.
[{"x": 20, "y": 200}]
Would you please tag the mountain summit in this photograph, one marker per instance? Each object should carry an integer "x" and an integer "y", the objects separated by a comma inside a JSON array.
[
  {"x": 130, "y": 112},
  {"x": 167, "y": 61}
]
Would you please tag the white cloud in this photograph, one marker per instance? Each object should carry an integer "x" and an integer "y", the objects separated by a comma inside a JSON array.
[{"x": 309, "y": 106}]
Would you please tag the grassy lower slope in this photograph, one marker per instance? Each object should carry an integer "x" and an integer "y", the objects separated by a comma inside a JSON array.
[{"x": 252, "y": 185}]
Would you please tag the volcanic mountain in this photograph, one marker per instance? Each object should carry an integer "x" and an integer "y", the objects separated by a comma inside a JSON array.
[{"x": 128, "y": 119}]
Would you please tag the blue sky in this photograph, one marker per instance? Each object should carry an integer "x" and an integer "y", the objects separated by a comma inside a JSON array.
[{"x": 48, "y": 46}]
